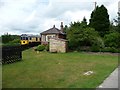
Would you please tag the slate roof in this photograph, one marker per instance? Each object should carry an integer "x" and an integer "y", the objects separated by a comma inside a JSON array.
[{"x": 53, "y": 30}]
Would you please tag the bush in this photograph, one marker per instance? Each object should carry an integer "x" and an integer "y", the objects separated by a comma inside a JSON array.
[
  {"x": 11, "y": 44},
  {"x": 84, "y": 48},
  {"x": 47, "y": 47},
  {"x": 40, "y": 48},
  {"x": 80, "y": 35},
  {"x": 15, "y": 41},
  {"x": 110, "y": 49},
  {"x": 95, "y": 48},
  {"x": 112, "y": 40}
]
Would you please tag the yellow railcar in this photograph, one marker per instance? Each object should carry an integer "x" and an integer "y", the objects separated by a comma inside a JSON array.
[{"x": 28, "y": 39}]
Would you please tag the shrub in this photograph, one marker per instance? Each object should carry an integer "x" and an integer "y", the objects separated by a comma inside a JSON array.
[
  {"x": 47, "y": 47},
  {"x": 97, "y": 45},
  {"x": 80, "y": 35},
  {"x": 112, "y": 40},
  {"x": 95, "y": 48},
  {"x": 11, "y": 44},
  {"x": 84, "y": 48},
  {"x": 110, "y": 49},
  {"x": 40, "y": 48},
  {"x": 15, "y": 41}
]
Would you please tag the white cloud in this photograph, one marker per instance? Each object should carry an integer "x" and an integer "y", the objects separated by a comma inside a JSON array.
[
  {"x": 35, "y": 16},
  {"x": 31, "y": 16}
]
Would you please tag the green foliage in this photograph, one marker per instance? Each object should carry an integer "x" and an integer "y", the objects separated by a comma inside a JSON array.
[
  {"x": 112, "y": 40},
  {"x": 47, "y": 47},
  {"x": 11, "y": 44},
  {"x": 110, "y": 49},
  {"x": 97, "y": 45},
  {"x": 7, "y": 38},
  {"x": 113, "y": 28},
  {"x": 65, "y": 29},
  {"x": 95, "y": 48},
  {"x": 118, "y": 22},
  {"x": 80, "y": 34},
  {"x": 40, "y": 48},
  {"x": 100, "y": 20},
  {"x": 15, "y": 41},
  {"x": 84, "y": 21}
]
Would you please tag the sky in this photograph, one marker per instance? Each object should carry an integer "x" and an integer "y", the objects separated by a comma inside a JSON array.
[{"x": 35, "y": 16}]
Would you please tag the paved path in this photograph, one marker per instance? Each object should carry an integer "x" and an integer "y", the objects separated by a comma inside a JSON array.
[{"x": 112, "y": 80}]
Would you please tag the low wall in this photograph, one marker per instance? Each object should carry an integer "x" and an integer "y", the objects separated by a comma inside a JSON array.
[{"x": 57, "y": 45}]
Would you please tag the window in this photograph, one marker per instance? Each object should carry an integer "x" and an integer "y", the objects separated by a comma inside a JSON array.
[
  {"x": 36, "y": 39},
  {"x": 21, "y": 38},
  {"x": 53, "y": 36},
  {"x": 30, "y": 38},
  {"x": 26, "y": 38}
]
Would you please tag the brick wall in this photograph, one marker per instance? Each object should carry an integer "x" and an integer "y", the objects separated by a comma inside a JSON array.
[{"x": 57, "y": 45}]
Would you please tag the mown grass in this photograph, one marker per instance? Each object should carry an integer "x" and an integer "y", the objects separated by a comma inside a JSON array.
[{"x": 58, "y": 70}]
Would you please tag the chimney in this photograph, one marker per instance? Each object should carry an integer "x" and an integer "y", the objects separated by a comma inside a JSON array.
[
  {"x": 61, "y": 27},
  {"x": 53, "y": 26}
]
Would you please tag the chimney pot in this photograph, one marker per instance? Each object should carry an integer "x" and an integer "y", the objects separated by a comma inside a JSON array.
[
  {"x": 61, "y": 27},
  {"x": 53, "y": 26}
]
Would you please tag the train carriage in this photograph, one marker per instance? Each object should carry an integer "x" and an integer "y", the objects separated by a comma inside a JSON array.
[{"x": 29, "y": 39}]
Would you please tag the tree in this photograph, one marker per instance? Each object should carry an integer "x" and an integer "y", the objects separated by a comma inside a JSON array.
[
  {"x": 84, "y": 21},
  {"x": 6, "y": 38},
  {"x": 65, "y": 29},
  {"x": 112, "y": 39},
  {"x": 113, "y": 28},
  {"x": 80, "y": 35},
  {"x": 100, "y": 20},
  {"x": 118, "y": 22}
]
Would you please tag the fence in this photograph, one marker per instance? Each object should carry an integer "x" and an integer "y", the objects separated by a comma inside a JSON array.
[{"x": 11, "y": 54}]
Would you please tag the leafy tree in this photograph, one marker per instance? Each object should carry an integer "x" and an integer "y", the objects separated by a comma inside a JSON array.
[
  {"x": 100, "y": 20},
  {"x": 6, "y": 38},
  {"x": 15, "y": 41},
  {"x": 65, "y": 28},
  {"x": 84, "y": 21},
  {"x": 112, "y": 40},
  {"x": 80, "y": 35},
  {"x": 118, "y": 22},
  {"x": 113, "y": 28}
]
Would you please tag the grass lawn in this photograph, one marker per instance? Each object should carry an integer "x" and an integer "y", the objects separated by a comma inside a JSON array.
[{"x": 58, "y": 70}]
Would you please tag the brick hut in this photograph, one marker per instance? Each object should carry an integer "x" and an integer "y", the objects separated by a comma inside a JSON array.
[{"x": 52, "y": 33}]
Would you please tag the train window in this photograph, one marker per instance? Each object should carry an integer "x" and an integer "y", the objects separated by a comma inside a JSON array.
[
  {"x": 21, "y": 38},
  {"x": 36, "y": 39},
  {"x": 26, "y": 38},
  {"x": 30, "y": 38}
]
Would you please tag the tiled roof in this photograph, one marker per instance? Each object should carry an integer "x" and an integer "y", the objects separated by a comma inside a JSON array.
[{"x": 53, "y": 30}]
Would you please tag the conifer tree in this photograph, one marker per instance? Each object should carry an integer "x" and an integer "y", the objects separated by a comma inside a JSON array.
[{"x": 100, "y": 20}]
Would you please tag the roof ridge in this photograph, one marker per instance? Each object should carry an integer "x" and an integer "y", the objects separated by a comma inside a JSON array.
[{"x": 52, "y": 30}]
